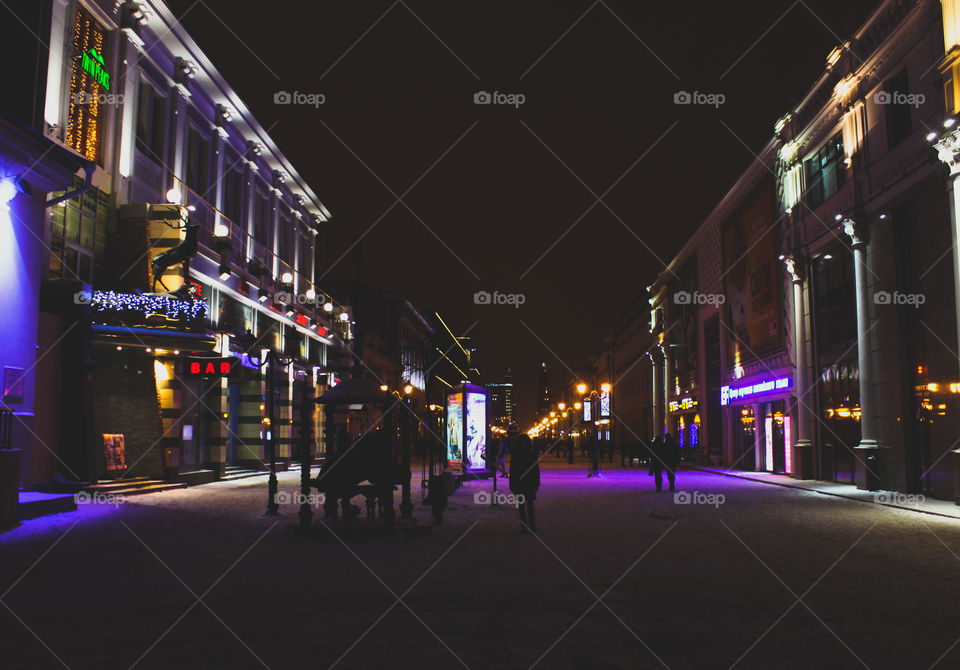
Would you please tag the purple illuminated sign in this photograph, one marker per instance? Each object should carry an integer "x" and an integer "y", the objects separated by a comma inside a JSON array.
[{"x": 732, "y": 393}]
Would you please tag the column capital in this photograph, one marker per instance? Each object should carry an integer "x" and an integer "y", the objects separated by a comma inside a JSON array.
[
  {"x": 794, "y": 268},
  {"x": 856, "y": 232},
  {"x": 948, "y": 150}
]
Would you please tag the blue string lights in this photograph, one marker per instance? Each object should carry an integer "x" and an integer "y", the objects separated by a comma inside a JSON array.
[{"x": 149, "y": 305}]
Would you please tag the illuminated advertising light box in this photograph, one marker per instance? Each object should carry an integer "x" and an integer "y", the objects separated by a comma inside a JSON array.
[
  {"x": 587, "y": 410},
  {"x": 467, "y": 426},
  {"x": 476, "y": 431},
  {"x": 604, "y": 404},
  {"x": 730, "y": 394},
  {"x": 455, "y": 431}
]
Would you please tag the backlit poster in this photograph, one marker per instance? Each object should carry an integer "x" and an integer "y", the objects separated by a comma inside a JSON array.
[
  {"x": 114, "y": 451},
  {"x": 455, "y": 431},
  {"x": 768, "y": 443},
  {"x": 476, "y": 430},
  {"x": 587, "y": 410},
  {"x": 604, "y": 404}
]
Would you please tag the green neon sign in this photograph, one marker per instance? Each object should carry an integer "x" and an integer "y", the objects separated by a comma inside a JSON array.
[{"x": 92, "y": 63}]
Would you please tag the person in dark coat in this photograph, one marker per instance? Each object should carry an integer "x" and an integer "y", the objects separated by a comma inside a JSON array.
[
  {"x": 666, "y": 459},
  {"x": 593, "y": 449},
  {"x": 652, "y": 454},
  {"x": 524, "y": 480}
]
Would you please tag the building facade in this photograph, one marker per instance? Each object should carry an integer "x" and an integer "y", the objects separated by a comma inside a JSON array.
[
  {"x": 178, "y": 293},
  {"x": 815, "y": 310}
]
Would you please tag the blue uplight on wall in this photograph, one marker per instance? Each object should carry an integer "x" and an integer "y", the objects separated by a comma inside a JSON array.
[
  {"x": 148, "y": 305},
  {"x": 8, "y": 190}
]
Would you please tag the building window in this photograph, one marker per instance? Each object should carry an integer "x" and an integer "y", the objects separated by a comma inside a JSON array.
[
  {"x": 284, "y": 235},
  {"x": 897, "y": 111},
  {"x": 826, "y": 171},
  {"x": 233, "y": 182},
  {"x": 151, "y": 121},
  {"x": 261, "y": 221},
  {"x": 305, "y": 265},
  {"x": 89, "y": 83},
  {"x": 198, "y": 162},
  {"x": 78, "y": 235}
]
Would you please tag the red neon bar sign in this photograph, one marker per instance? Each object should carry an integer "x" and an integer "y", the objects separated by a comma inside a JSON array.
[{"x": 210, "y": 367}]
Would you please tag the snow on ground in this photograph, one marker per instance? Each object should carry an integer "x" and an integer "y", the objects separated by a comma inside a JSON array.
[{"x": 618, "y": 577}]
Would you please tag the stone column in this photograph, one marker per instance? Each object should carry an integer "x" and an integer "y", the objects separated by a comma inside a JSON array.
[
  {"x": 656, "y": 360},
  {"x": 868, "y": 452},
  {"x": 759, "y": 446},
  {"x": 948, "y": 150},
  {"x": 802, "y": 465},
  {"x": 665, "y": 390}
]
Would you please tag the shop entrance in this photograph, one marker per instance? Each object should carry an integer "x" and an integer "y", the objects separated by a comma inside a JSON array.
[
  {"x": 745, "y": 443},
  {"x": 777, "y": 438}
]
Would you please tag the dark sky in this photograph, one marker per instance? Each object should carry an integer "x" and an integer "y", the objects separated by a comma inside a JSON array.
[{"x": 484, "y": 217}]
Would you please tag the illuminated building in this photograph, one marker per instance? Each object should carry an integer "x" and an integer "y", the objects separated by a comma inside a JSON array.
[
  {"x": 189, "y": 197},
  {"x": 717, "y": 315},
  {"x": 501, "y": 398},
  {"x": 811, "y": 319},
  {"x": 394, "y": 340},
  {"x": 543, "y": 390}
]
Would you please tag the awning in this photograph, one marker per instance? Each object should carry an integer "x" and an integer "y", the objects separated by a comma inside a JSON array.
[{"x": 148, "y": 337}]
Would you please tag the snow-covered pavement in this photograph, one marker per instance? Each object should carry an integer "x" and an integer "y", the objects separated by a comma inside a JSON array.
[{"x": 733, "y": 573}]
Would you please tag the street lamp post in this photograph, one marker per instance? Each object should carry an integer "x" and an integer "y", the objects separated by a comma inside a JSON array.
[
  {"x": 406, "y": 505},
  {"x": 273, "y": 507}
]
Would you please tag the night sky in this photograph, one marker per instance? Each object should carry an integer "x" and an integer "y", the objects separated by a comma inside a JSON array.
[{"x": 598, "y": 121}]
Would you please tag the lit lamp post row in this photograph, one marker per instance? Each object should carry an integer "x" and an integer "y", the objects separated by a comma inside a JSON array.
[{"x": 559, "y": 421}]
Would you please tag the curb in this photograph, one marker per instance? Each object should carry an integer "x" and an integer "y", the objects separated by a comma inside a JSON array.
[{"x": 724, "y": 473}]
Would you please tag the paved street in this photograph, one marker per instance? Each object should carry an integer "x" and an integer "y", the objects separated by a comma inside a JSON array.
[{"x": 619, "y": 577}]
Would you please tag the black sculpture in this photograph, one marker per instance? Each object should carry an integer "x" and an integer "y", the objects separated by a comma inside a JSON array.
[{"x": 182, "y": 253}]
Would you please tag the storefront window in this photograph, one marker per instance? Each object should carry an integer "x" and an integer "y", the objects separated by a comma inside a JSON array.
[
  {"x": 835, "y": 323},
  {"x": 78, "y": 236}
]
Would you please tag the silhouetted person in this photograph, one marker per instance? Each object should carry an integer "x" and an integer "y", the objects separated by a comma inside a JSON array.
[
  {"x": 667, "y": 456},
  {"x": 524, "y": 480},
  {"x": 593, "y": 449},
  {"x": 652, "y": 454}
]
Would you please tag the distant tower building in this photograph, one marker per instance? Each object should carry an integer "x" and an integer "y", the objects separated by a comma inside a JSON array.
[
  {"x": 543, "y": 393},
  {"x": 501, "y": 398},
  {"x": 508, "y": 393}
]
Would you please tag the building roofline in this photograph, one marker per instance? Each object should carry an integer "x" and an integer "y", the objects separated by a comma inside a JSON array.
[{"x": 209, "y": 79}]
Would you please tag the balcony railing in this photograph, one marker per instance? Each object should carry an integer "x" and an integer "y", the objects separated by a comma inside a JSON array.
[{"x": 240, "y": 250}]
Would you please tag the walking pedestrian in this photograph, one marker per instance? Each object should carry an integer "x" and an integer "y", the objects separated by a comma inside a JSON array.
[
  {"x": 524, "y": 481},
  {"x": 667, "y": 459},
  {"x": 654, "y": 463},
  {"x": 593, "y": 447}
]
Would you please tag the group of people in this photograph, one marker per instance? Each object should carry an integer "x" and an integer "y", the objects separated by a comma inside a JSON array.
[{"x": 663, "y": 456}]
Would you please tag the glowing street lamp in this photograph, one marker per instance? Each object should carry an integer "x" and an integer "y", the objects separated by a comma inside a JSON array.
[
  {"x": 582, "y": 388},
  {"x": 174, "y": 197},
  {"x": 605, "y": 387}
]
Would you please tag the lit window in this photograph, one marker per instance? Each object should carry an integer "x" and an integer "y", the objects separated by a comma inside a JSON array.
[{"x": 89, "y": 83}]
